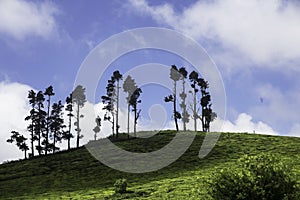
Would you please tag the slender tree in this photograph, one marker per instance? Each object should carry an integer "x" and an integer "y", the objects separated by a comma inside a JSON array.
[
  {"x": 40, "y": 123},
  {"x": 48, "y": 92},
  {"x": 78, "y": 98},
  {"x": 109, "y": 101},
  {"x": 20, "y": 141},
  {"x": 67, "y": 135},
  {"x": 185, "y": 115},
  {"x": 194, "y": 78},
  {"x": 134, "y": 100},
  {"x": 129, "y": 87},
  {"x": 56, "y": 124},
  {"x": 32, "y": 117},
  {"x": 117, "y": 76},
  {"x": 207, "y": 114},
  {"x": 175, "y": 76},
  {"x": 97, "y": 127}
]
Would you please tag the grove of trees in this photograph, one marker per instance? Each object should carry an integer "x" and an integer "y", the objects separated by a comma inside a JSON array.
[
  {"x": 112, "y": 98},
  {"x": 47, "y": 126},
  {"x": 46, "y": 122},
  {"x": 197, "y": 84}
]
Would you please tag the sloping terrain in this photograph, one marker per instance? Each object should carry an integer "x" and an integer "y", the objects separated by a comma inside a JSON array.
[{"x": 75, "y": 174}]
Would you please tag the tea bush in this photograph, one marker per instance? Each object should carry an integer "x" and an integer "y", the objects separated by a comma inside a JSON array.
[
  {"x": 120, "y": 186},
  {"x": 263, "y": 176}
]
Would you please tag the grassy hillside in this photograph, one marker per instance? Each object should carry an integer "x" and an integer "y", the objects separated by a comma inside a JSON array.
[{"x": 77, "y": 175}]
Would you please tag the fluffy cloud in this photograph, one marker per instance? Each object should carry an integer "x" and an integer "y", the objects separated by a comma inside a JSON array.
[
  {"x": 14, "y": 108},
  {"x": 260, "y": 32},
  {"x": 20, "y": 19},
  {"x": 244, "y": 123}
]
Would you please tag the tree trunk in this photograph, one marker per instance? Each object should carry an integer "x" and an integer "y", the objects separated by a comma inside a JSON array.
[
  {"x": 69, "y": 146},
  {"x": 32, "y": 145},
  {"x": 113, "y": 124},
  {"x": 78, "y": 129},
  {"x": 195, "y": 111},
  {"x": 128, "y": 116},
  {"x": 184, "y": 105},
  {"x": 69, "y": 137},
  {"x": 117, "y": 112},
  {"x": 47, "y": 126},
  {"x": 25, "y": 154},
  {"x": 203, "y": 122},
  {"x": 174, "y": 107},
  {"x": 39, "y": 131},
  {"x": 135, "y": 119},
  {"x": 54, "y": 138}
]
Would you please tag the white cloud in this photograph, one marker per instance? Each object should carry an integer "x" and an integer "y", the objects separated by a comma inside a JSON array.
[
  {"x": 14, "y": 108},
  {"x": 262, "y": 32},
  {"x": 244, "y": 123},
  {"x": 19, "y": 18}
]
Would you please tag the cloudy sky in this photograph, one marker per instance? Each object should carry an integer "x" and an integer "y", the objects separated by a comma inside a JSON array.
[{"x": 255, "y": 45}]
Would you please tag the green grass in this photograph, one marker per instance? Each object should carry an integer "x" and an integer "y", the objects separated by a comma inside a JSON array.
[{"x": 76, "y": 174}]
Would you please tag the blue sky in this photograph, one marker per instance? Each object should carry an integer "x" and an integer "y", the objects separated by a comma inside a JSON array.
[{"x": 255, "y": 45}]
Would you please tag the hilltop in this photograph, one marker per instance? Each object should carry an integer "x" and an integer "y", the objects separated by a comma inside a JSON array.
[{"x": 75, "y": 174}]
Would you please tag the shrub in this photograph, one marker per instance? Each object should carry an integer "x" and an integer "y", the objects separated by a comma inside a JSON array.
[
  {"x": 263, "y": 177},
  {"x": 120, "y": 186}
]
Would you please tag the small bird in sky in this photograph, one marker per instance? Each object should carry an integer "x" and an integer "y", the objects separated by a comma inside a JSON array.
[{"x": 261, "y": 100}]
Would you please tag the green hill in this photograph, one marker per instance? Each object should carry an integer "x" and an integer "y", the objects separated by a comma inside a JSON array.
[{"x": 75, "y": 174}]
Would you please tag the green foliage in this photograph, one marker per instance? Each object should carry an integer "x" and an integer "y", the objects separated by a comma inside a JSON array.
[
  {"x": 20, "y": 141},
  {"x": 77, "y": 175},
  {"x": 120, "y": 186},
  {"x": 263, "y": 176}
]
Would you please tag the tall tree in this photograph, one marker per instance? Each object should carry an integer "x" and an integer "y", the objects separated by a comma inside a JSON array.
[
  {"x": 97, "y": 127},
  {"x": 194, "y": 79},
  {"x": 134, "y": 100},
  {"x": 48, "y": 92},
  {"x": 78, "y": 98},
  {"x": 40, "y": 123},
  {"x": 20, "y": 141},
  {"x": 32, "y": 117},
  {"x": 67, "y": 135},
  {"x": 129, "y": 87},
  {"x": 175, "y": 76},
  {"x": 207, "y": 114},
  {"x": 109, "y": 101},
  {"x": 185, "y": 115},
  {"x": 117, "y": 76},
  {"x": 56, "y": 124}
]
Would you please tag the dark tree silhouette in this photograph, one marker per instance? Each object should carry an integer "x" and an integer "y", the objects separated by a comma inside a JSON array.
[
  {"x": 32, "y": 117},
  {"x": 56, "y": 124},
  {"x": 78, "y": 98},
  {"x": 185, "y": 115},
  {"x": 117, "y": 76},
  {"x": 97, "y": 127},
  {"x": 20, "y": 141},
  {"x": 134, "y": 100},
  {"x": 40, "y": 123},
  {"x": 67, "y": 135},
  {"x": 109, "y": 101},
  {"x": 129, "y": 87},
  {"x": 48, "y": 92},
  {"x": 207, "y": 114},
  {"x": 175, "y": 76},
  {"x": 194, "y": 78}
]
